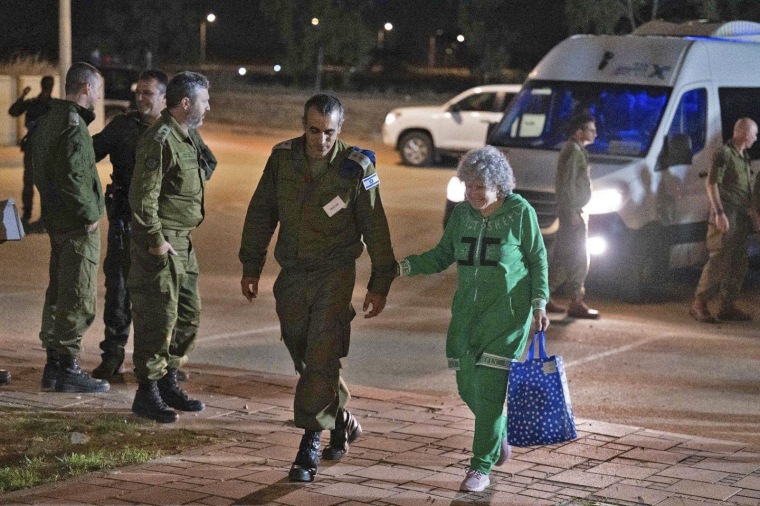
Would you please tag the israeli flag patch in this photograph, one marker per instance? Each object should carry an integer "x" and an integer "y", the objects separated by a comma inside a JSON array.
[{"x": 371, "y": 181}]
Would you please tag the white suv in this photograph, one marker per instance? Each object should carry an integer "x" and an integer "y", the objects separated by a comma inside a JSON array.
[{"x": 421, "y": 134}]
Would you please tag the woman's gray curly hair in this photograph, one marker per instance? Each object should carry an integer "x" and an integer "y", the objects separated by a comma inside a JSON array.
[{"x": 489, "y": 166}]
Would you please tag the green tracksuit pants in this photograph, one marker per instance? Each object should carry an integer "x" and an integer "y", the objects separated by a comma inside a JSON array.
[
  {"x": 484, "y": 390},
  {"x": 71, "y": 294},
  {"x": 315, "y": 312},
  {"x": 166, "y": 306}
]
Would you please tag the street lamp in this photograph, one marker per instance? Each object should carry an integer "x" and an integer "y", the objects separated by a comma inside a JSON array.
[
  {"x": 387, "y": 27},
  {"x": 320, "y": 56},
  {"x": 210, "y": 18}
]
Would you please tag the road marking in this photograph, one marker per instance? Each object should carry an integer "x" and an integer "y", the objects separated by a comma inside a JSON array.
[
  {"x": 614, "y": 351},
  {"x": 240, "y": 333}
]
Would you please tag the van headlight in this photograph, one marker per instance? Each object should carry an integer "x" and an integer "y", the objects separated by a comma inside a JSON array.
[
  {"x": 391, "y": 117},
  {"x": 455, "y": 190},
  {"x": 605, "y": 201},
  {"x": 596, "y": 245}
]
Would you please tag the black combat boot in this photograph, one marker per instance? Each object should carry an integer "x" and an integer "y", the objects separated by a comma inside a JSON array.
[
  {"x": 347, "y": 430},
  {"x": 148, "y": 404},
  {"x": 50, "y": 373},
  {"x": 305, "y": 466},
  {"x": 174, "y": 396},
  {"x": 111, "y": 370},
  {"x": 72, "y": 379}
]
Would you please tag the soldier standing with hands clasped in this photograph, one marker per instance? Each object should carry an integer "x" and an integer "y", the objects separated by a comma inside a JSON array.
[
  {"x": 166, "y": 198},
  {"x": 324, "y": 195},
  {"x": 72, "y": 203}
]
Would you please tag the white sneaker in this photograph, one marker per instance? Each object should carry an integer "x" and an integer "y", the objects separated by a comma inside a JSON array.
[{"x": 475, "y": 481}]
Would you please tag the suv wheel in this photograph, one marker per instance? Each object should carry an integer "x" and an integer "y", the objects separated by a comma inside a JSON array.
[{"x": 416, "y": 149}]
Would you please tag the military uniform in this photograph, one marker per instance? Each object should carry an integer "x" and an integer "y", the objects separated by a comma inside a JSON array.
[
  {"x": 70, "y": 193},
  {"x": 324, "y": 214},
  {"x": 34, "y": 109},
  {"x": 166, "y": 198},
  {"x": 569, "y": 261},
  {"x": 725, "y": 269},
  {"x": 501, "y": 277},
  {"x": 119, "y": 141}
]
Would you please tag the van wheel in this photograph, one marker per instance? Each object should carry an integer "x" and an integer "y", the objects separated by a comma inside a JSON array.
[
  {"x": 643, "y": 275},
  {"x": 417, "y": 149}
]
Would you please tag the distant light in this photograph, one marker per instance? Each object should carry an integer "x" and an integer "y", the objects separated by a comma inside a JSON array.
[
  {"x": 388, "y": 27},
  {"x": 449, "y": 50},
  {"x": 211, "y": 17},
  {"x": 460, "y": 38},
  {"x": 277, "y": 68},
  {"x": 596, "y": 245},
  {"x": 315, "y": 21},
  {"x": 242, "y": 71}
]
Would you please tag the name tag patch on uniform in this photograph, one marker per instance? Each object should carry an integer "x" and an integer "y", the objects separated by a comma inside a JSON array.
[
  {"x": 334, "y": 206},
  {"x": 371, "y": 181}
]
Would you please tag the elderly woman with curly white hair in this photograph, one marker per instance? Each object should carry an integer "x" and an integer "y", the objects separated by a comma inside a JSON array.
[{"x": 502, "y": 286}]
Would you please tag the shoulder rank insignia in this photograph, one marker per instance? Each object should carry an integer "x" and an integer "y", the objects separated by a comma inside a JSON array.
[
  {"x": 162, "y": 133},
  {"x": 73, "y": 118},
  {"x": 360, "y": 158},
  {"x": 283, "y": 145}
]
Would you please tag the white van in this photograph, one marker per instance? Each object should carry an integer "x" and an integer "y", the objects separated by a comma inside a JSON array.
[{"x": 665, "y": 98}]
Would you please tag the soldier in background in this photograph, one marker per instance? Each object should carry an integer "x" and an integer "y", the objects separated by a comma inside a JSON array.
[
  {"x": 166, "y": 198},
  {"x": 34, "y": 109},
  {"x": 72, "y": 203},
  {"x": 119, "y": 141}
]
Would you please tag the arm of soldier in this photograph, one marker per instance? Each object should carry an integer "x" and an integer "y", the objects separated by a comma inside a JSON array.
[
  {"x": 150, "y": 163},
  {"x": 104, "y": 141},
  {"x": 77, "y": 170},
  {"x": 20, "y": 106},
  {"x": 579, "y": 183},
  {"x": 260, "y": 223},
  {"x": 712, "y": 185}
]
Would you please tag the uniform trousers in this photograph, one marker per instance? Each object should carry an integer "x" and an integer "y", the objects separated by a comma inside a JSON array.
[
  {"x": 315, "y": 313},
  {"x": 724, "y": 271},
  {"x": 71, "y": 294},
  {"x": 569, "y": 260},
  {"x": 166, "y": 306},
  {"x": 117, "y": 312},
  {"x": 484, "y": 390}
]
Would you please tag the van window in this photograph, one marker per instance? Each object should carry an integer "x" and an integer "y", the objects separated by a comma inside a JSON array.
[
  {"x": 737, "y": 103},
  {"x": 691, "y": 118},
  {"x": 627, "y": 116}
]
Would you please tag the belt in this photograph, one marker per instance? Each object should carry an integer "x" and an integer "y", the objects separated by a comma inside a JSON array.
[{"x": 176, "y": 233}]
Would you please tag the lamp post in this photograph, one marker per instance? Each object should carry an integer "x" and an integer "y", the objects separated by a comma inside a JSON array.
[
  {"x": 387, "y": 27},
  {"x": 320, "y": 56},
  {"x": 210, "y": 18}
]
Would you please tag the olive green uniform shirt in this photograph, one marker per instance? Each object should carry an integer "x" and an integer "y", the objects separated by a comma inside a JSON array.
[
  {"x": 573, "y": 180},
  {"x": 168, "y": 183},
  {"x": 731, "y": 171},
  {"x": 309, "y": 237},
  {"x": 64, "y": 168}
]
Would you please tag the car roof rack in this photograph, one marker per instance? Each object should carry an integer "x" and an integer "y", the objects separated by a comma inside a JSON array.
[{"x": 736, "y": 30}]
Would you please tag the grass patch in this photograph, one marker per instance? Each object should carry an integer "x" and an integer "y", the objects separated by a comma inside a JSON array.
[{"x": 37, "y": 448}]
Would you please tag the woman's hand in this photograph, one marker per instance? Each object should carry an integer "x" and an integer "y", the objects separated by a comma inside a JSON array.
[{"x": 540, "y": 320}]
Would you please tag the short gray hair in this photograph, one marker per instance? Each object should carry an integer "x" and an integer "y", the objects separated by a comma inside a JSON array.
[
  {"x": 185, "y": 84},
  {"x": 489, "y": 166},
  {"x": 78, "y": 75}
]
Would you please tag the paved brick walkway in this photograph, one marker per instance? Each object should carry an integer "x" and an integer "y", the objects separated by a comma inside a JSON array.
[{"x": 413, "y": 452}]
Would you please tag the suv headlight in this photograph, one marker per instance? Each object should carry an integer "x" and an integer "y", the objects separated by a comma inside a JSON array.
[
  {"x": 391, "y": 117},
  {"x": 455, "y": 190},
  {"x": 605, "y": 201}
]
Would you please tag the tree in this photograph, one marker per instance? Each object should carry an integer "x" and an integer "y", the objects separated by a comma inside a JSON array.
[{"x": 341, "y": 36}]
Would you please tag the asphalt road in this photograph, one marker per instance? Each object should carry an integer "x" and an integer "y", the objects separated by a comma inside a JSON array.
[{"x": 648, "y": 365}]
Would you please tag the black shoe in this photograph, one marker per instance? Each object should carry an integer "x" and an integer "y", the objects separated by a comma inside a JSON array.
[
  {"x": 5, "y": 377},
  {"x": 346, "y": 431},
  {"x": 72, "y": 379},
  {"x": 305, "y": 466},
  {"x": 149, "y": 404},
  {"x": 174, "y": 396},
  {"x": 50, "y": 373},
  {"x": 110, "y": 370}
]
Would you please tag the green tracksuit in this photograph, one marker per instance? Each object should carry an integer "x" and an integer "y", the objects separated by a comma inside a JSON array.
[{"x": 501, "y": 270}]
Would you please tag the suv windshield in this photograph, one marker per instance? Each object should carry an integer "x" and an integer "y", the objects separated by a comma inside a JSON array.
[{"x": 627, "y": 116}]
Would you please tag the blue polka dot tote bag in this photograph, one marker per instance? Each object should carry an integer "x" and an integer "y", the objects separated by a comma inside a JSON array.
[{"x": 538, "y": 401}]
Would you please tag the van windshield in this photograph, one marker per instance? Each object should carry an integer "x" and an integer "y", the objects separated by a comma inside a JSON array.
[{"x": 627, "y": 116}]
